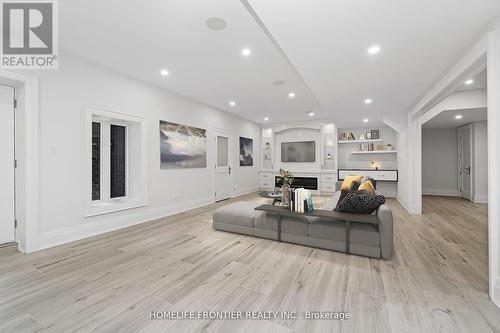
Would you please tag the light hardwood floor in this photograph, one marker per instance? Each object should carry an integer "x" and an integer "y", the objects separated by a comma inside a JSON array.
[{"x": 436, "y": 280}]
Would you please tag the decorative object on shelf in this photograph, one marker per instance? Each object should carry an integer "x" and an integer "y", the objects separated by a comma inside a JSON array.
[
  {"x": 268, "y": 145},
  {"x": 286, "y": 179},
  {"x": 362, "y": 137},
  {"x": 361, "y": 147},
  {"x": 375, "y": 134},
  {"x": 182, "y": 146},
  {"x": 370, "y": 147},
  {"x": 368, "y": 135},
  {"x": 267, "y": 157},
  {"x": 375, "y": 165},
  {"x": 346, "y": 136},
  {"x": 246, "y": 151},
  {"x": 328, "y": 156},
  {"x": 390, "y": 147},
  {"x": 380, "y": 147}
]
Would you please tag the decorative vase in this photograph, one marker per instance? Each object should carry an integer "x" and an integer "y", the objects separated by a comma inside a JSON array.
[{"x": 285, "y": 194}]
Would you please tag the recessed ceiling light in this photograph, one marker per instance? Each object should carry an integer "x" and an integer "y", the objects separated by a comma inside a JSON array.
[
  {"x": 279, "y": 83},
  {"x": 365, "y": 120},
  {"x": 368, "y": 101},
  {"x": 310, "y": 113},
  {"x": 291, "y": 95},
  {"x": 232, "y": 103},
  {"x": 266, "y": 118},
  {"x": 469, "y": 82},
  {"x": 246, "y": 52},
  {"x": 459, "y": 116},
  {"x": 164, "y": 72},
  {"x": 216, "y": 23},
  {"x": 374, "y": 49}
]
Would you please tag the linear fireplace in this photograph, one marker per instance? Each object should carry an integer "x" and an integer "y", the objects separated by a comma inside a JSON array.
[{"x": 309, "y": 183}]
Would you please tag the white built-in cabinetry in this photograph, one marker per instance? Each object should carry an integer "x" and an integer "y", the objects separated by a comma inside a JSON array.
[
  {"x": 266, "y": 180},
  {"x": 324, "y": 169},
  {"x": 379, "y": 175}
]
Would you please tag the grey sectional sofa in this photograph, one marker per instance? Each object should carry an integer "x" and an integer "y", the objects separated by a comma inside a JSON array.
[{"x": 365, "y": 239}]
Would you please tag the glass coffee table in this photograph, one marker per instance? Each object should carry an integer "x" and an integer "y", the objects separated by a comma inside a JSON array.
[{"x": 275, "y": 195}]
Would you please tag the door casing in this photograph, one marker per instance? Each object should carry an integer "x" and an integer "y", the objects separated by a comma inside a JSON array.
[
  {"x": 465, "y": 130},
  {"x": 220, "y": 171}
]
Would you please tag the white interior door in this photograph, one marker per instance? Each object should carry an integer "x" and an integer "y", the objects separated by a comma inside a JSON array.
[
  {"x": 6, "y": 164},
  {"x": 464, "y": 176},
  {"x": 222, "y": 165}
]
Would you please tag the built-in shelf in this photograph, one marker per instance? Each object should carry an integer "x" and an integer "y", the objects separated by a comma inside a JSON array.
[
  {"x": 375, "y": 152},
  {"x": 360, "y": 141}
]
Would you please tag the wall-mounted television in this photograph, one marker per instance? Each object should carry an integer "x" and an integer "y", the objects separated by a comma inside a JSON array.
[{"x": 303, "y": 151}]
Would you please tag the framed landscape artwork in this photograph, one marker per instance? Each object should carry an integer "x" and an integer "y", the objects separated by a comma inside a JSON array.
[
  {"x": 182, "y": 146},
  {"x": 246, "y": 151}
]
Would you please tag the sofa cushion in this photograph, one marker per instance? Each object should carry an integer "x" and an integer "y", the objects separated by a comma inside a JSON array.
[
  {"x": 347, "y": 183},
  {"x": 331, "y": 202},
  {"x": 371, "y": 180},
  {"x": 266, "y": 221},
  {"x": 293, "y": 226},
  {"x": 367, "y": 186},
  {"x": 360, "y": 202},
  {"x": 332, "y": 230},
  {"x": 238, "y": 213},
  {"x": 364, "y": 234}
]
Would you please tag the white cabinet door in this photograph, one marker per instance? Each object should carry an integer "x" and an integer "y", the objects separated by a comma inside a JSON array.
[
  {"x": 328, "y": 178},
  {"x": 383, "y": 175},
  {"x": 346, "y": 173},
  {"x": 6, "y": 164}
]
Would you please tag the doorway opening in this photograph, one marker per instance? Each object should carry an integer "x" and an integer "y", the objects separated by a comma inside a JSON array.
[{"x": 7, "y": 165}]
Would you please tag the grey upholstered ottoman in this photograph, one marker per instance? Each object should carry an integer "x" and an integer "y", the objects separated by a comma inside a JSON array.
[{"x": 237, "y": 217}]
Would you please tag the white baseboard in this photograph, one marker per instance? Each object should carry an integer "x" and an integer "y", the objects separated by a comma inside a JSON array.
[
  {"x": 402, "y": 204},
  {"x": 446, "y": 193},
  {"x": 481, "y": 198},
  {"x": 243, "y": 191},
  {"x": 496, "y": 293},
  {"x": 112, "y": 223}
]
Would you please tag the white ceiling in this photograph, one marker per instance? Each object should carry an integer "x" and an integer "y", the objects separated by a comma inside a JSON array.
[
  {"x": 446, "y": 119},
  {"x": 480, "y": 82},
  {"x": 318, "y": 48}
]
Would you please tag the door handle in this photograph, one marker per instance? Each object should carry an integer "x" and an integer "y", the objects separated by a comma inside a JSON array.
[{"x": 229, "y": 169}]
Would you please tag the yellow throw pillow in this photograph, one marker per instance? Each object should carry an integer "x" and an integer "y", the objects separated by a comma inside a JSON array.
[
  {"x": 367, "y": 186},
  {"x": 346, "y": 184}
]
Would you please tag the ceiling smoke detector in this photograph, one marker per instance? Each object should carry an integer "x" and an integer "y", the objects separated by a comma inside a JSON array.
[
  {"x": 216, "y": 23},
  {"x": 279, "y": 83}
]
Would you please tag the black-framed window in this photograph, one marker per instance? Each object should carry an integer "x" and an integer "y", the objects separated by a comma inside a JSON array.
[
  {"x": 96, "y": 161},
  {"x": 118, "y": 161},
  {"x": 109, "y": 160}
]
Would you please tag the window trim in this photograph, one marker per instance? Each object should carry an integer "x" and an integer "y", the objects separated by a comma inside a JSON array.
[{"x": 106, "y": 204}]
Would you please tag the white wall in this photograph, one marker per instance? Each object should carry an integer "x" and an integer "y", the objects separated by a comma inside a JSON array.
[
  {"x": 440, "y": 161},
  {"x": 64, "y": 93},
  {"x": 402, "y": 159},
  {"x": 480, "y": 191}
]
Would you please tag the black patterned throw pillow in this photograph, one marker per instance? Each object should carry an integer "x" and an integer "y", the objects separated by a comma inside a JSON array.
[{"x": 360, "y": 202}]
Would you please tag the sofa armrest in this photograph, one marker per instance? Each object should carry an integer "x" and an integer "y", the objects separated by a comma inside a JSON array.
[{"x": 385, "y": 228}]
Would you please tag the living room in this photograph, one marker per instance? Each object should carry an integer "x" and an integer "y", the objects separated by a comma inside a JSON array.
[{"x": 250, "y": 166}]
